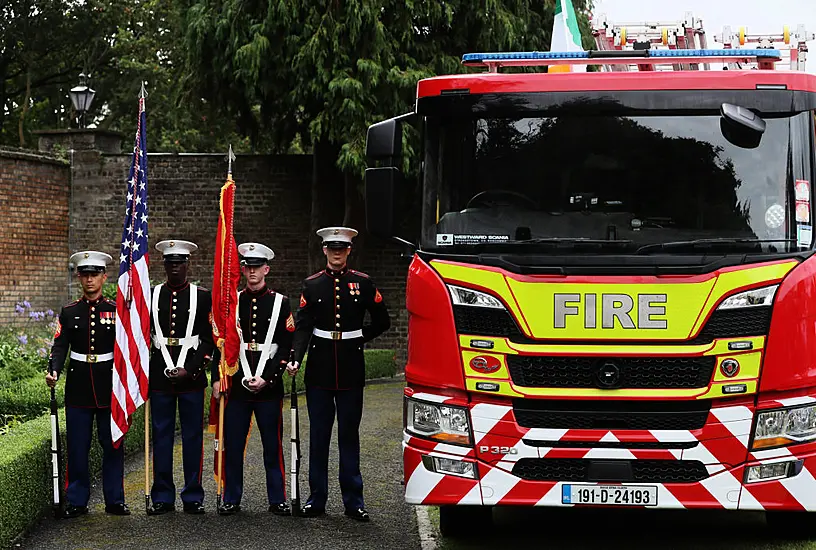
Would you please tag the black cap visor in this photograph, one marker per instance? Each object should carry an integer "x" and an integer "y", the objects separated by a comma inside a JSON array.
[{"x": 253, "y": 261}]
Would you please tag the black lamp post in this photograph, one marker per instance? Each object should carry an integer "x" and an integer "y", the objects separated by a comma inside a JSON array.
[{"x": 82, "y": 96}]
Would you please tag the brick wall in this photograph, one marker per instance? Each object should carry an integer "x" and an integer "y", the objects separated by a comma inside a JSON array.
[
  {"x": 34, "y": 197},
  {"x": 272, "y": 207}
]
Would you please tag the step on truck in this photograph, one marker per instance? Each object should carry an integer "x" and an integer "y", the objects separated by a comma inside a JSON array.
[{"x": 612, "y": 296}]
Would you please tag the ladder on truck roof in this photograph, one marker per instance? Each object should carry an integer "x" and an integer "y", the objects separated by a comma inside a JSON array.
[
  {"x": 686, "y": 34},
  {"x": 794, "y": 44}
]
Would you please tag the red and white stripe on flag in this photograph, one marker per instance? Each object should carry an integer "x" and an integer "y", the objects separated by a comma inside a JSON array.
[{"x": 131, "y": 355}]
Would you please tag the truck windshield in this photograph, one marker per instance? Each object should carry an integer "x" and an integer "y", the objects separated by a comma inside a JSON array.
[{"x": 666, "y": 184}]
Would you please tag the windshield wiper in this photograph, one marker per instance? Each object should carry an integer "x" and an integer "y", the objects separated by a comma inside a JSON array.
[
  {"x": 573, "y": 242},
  {"x": 707, "y": 243}
]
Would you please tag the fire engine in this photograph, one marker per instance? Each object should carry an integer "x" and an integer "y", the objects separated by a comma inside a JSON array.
[{"x": 612, "y": 296}]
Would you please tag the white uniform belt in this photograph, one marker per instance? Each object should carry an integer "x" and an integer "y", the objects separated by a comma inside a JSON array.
[
  {"x": 252, "y": 346},
  {"x": 161, "y": 340},
  {"x": 337, "y": 335},
  {"x": 91, "y": 358}
]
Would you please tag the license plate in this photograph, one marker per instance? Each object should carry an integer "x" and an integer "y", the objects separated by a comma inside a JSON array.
[{"x": 609, "y": 495}]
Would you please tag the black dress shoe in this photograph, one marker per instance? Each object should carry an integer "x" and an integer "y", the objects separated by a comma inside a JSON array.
[
  {"x": 310, "y": 511},
  {"x": 281, "y": 509},
  {"x": 229, "y": 509},
  {"x": 359, "y": 514},
  {"x": 159, "y": 508},
  {"x": 193, "y": 508},
  {"x": 72, "y": 511},
  {"x": 120, "y": 509}
]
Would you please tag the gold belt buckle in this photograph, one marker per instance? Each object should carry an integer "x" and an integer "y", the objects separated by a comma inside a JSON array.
[
  {"x": 172, "y": 341},
  {"x": 336, "y": 335},
  {"x": 91, "y": 358},
  {"x": 253, "y": 346}
]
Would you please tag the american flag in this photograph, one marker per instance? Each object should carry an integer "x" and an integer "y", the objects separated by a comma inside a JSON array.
[{"x": 131, "y": 355}]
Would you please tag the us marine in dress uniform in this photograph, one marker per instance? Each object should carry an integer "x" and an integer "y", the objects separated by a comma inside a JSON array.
[
  {"x": 329, "y": 323},
  {"x": 266, "y": 327},
  {"x": 87, "y": 327},
  {"x": 182, "y": 345}
]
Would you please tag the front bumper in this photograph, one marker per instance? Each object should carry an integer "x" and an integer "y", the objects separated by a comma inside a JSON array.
[
  {"x": 497, "y": 486},
  {"x": 720, "y": 450}
]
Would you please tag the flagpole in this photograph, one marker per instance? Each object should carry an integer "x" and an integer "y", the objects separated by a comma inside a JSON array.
[
  {"x": 219, "y": 488},
  {"x": 222, "y": 397},
  {"x": 129, "y": 298},
  {"x": 147, "y": 454}
]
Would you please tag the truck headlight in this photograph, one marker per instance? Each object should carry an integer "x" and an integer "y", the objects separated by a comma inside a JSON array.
[
  {"x": 785, "y": 427},
  {"x": 467, "y": 297},
  {"x": 449, "y": 466},
  {"x": 750, "y": 298},
  {"x": 444, "y": 423}
]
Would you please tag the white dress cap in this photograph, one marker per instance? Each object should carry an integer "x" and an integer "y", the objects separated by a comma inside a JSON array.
[
  {"x": 255, "y": 254},
  {"x": 90, "y": 261},
  {"x": 337, "y": 237},
  {"x": 176, "y": 250}
]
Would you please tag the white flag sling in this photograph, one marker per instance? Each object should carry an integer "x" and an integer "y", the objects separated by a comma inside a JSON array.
[{"x": 268, "y": 349}]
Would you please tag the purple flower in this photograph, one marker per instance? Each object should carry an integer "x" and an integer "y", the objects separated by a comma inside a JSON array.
[
  {"x": 23, "y": 339},
  {"x": 42, "y": 352},
  {"x": 26, "y": 304},
  {"x": 18, "y": 309},
  {"x": 50, "y": 312}
]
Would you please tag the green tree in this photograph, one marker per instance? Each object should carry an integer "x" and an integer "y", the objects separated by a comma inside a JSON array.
[
  {"x": 44, "y": 45},
  {"x": 323, "y": 70},
  {"x": 146, "y": 48}
]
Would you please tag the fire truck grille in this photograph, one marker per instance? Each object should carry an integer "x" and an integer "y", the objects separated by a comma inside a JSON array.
[
  {"x": 482, "y": 321},
  {"x": 611, "y": 415},
  {"x": 734, "y": 323},
  {"x": 610, "y": 373},
  {"x": 610, "y": 471}
]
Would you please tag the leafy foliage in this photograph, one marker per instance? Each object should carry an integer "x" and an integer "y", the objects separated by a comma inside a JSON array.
[
  {"x": 327, "y": 70},
  {"x": 8, "y": 422},
  {"x": 45, "y": 45},
  {"x": 28, "y": 398},
  {"x": 24, "y": 347}
]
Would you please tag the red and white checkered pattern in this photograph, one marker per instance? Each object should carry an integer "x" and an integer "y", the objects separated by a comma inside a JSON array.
[{"x": 722, "y": 446}]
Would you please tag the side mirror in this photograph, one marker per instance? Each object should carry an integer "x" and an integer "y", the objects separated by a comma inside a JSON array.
[
  {"x": 740, "y": 126},
  {"x": 381, "y": 188},
  {"x": 384, "y": 140}
]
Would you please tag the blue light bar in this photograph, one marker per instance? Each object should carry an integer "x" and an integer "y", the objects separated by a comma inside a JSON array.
[
  {"x": 543, "y": 56},
  {"x": 521, "y": 56},
  {"x": 759, "y": 52}
]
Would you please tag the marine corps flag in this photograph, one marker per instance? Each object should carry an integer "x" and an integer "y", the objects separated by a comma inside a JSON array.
[{"x": 224, "y": 310}]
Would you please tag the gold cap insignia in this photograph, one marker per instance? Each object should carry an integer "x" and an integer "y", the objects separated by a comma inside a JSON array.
[
  {"x": 87, "y": 255},
  {"x": 252, "y": 247},
  {"x": 172, "y": 243}
]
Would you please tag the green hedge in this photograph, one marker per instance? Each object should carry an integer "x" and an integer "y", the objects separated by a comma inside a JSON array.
[
  {"x": 25, "y": 452},
  {"x": 25, "y": 470},
  {"x": 28, "y": 398},
  {"x": 380, "y": 363}
]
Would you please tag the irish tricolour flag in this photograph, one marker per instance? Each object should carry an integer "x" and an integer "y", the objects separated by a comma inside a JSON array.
[{"x": 565, "y": 35}]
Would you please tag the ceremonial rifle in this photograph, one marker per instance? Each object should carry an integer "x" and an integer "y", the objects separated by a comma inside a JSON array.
[
  {"x": 295, "y": 437},
  {"x": 56, "y": 455}
]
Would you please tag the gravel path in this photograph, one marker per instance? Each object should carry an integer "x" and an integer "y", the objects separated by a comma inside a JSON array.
[{"x": 393, "y": 522}]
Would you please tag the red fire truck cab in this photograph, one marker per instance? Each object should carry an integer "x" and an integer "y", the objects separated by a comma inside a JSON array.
[{"x": 612, "y": 298}]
